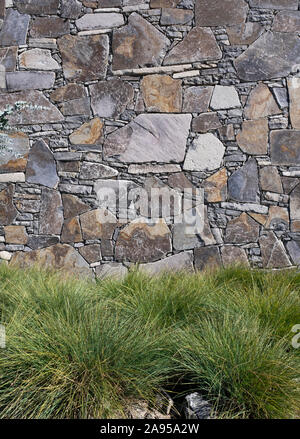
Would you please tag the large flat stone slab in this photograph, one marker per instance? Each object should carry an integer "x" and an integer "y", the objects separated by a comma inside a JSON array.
[
  {"x": 225, "y": 97},
  {"x": 13, "y": 158},
  {"x": 85, "y": 58},
  {"x": 100, "y": 21},
  {"x": 216, "y": 13},
  {"x": 18, "y": 81},
  {"x": 285, "y": 147},
  {"x": 197, "y": 99},
  {"x": 245, "y": 33},
  {"x": 199, "y": 45},
  {"x": 138, "y": 44},
  {"x": 41, "y": 166},
  {"x": 207, "y": 259},
  {"x": 14, "y": 29},
  {"x": 272, "y": 55},
  {"x": 49, "y": 27},
  {"x": 150, "y": 137}
]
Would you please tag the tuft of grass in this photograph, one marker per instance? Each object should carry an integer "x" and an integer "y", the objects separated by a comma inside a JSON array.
[{"x": 80, "y": 349}]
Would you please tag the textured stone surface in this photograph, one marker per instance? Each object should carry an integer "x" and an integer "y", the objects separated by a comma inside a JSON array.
[
  {"x": 261, "y": 103},
  {"x": 15, "y": 235},
  {"x": 258, "y": 61},
  {"x": 18, "y": 81},
  {"x": 91, "y": 253},
  {"x": 112, "y": 270},
  {"x": 207, "y": 258},
  {"x": 244, "y": 33},
  {"x": 171, "y": 16},
  {"x": 212, "y": 13},
  {"x": 36, "y": 242},
  {"x": 71, "y": 231},
  {"x": 270, "y": 179},
  {"x": 242, "y": 230},
  {"x": 8, "y": 58},
  {"x": 72, "y": 99},
  {"x": 162, "y": 93},
  {"x": 84, "y": 58},
  {"x": 273, "y": 251},
  {"x": 215, "y": 187},
  {"x": 70, "y": 9},
  {"x": 294, "y": 95},
  {"x": 206, "y": 153},
  {"x": 180, "y": 262},
  {"x": 253, "y": 139},
  {"x": 199, "y": 45},
  {"x": 91, "y": 171},
  {"x": 38, "y": 59},
  {"x": 243, "y": 183},
  {"x": 197, "y": 99},
  {"x": 275, "y": 4},
  {"x": 73, "y": 206},
  {"x": 13, "y": 158},
  {"x": 160, "y": 138},
  {"x": 138, "y": 44},
  {"x": 287, "y": 21},
  {"x": 295, "y": 203},
  {"x": 89, "y": 133},
  {"x": 51, "y": 213},
  {"x": 110, "y": 98},
  {"x": 8, "y": 212},
  {"x": 58, "y": 257},
  {"x": 233, "y": 255},
  {"x": 142, "y": 242},
  {"x": 49, "y": 27},
  {"x": 98, "y": 224},
  {"x": 41, "y": 167},
  {"x": 100, "y": 21},
  {"x": 14, "y": 29},
  {"x": 293, "y": 248},
  {"x": 224, "y": 97},
  {"x": 163, "y": 3},
  {"x": 37, "y": 7},
  {"x": 277, "y": 219},
  {"x": 285, "y": 147},
  {"x": 206, "y": 122}
]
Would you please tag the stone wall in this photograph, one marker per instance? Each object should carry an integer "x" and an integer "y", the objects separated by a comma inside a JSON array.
[{"x": 150, "y": 93}]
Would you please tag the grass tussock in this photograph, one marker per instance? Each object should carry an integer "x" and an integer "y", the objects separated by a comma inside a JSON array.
[{"x": 82, "y": 349}]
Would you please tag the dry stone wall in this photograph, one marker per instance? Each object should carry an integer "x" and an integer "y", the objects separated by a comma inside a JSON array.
[{"x": 131, "y": 94}]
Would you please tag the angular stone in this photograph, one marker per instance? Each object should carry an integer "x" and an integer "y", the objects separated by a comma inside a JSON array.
[
  {"x": 179, "y": 262},
  {"x": 70, "y": 9},
  {"x": 31, "y": 114},
  {"x": 49, "y": 27},
  {"x": 150, "y": 137},
  {"x": 207, "y": 258},
  {"x": 36, "y": 7},
  {"x": 18, "y": 81},
  {"x": 293, "y": 248},
  {"x": 91, "y": 253},
  {"x": 273, "y": 252},
  {"x": 215, "y": 187},
  {"x": 90, "y": 133},
  {"x": 295, "y": 203},
  {"x": 71, "y": 231},
  {"x": 2, "y": 9},
  {"x": 278, "y": 219},
  {"x": 281, "y": 97},
  {"x": 233, "y": 255},
  {"x": 13, "y": 158},
  {"x": 8, "y": 58},
  {"x": 85, "y": 58},
  {"x": 205, "y": 154},
  {"x": 197, "y": 99},
  {"x": 51, "y": 214},
  {"x": 73, "y": 99},
  {"x": 294, "y": 94},
  {"x": 242, "y": 230},
  {"x": 15, "y": 235},
  {"x": 138, "y": 44},
  {"x": 261, "y": 103},
  {"x": 253, "y": 139},
  {"x": 110, "y": 98},
  {"x": 289, "y": 183},
  {"x": 245, "y": 33},
  {"x": 257, "y": 62},
  {"x": 98, "y": 224},
  {"x": 112, "y": 270},
  {"x": 206, "y": 122},
  {"x": 153, "y": 169},
  {"x": 270, "y": 179},
  {"x": 142, "y": 242},
  {"x": 227, "y": 132},
  {"x": 100, "y": 21},
  {"x": 38, "y": 59},
  {"x": 36, "y": 242},
  {"x": 285, "y": 147},
  {"x": 162, "y": 93},
  {"x": 28, "y": 205},
  {"x": 179, "y": 182},
  {"x": 154, "y": 4},
  {"x": 171, "y": 16},
  {"x": 8, "y": 212},
  {"x": 275, "y": 4},
  {"x": 225, "y": 97},
  {"x": 199, "y": 45},
  {"x": 41, "y": 166},
  {"x": 14, "y": 29},
  {"x": 61, "y": 257},
  {"x": 243, "y": 183},
  {"x": 212, "y": 13},
  {"x": 287, "y": 21},
  {"x": 93, "y": 171},
  {"x": 73, "y": 206}
]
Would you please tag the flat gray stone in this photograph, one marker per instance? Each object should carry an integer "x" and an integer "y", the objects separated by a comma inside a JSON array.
[
  {"x": 242, "y": 230},
  {"x": 245, "y": 33},
  {"x": 205, "y": 154},
  {"x": 138, "y": 44},
  {"x": 49, "y": 27},
  {"x": 197, "y": 99},
  {"x": 150, "y": 137},
  {"x": 110, "y": 98},
  {"x": 51, "y": 213},
  {"x": 35, "y": 241},
  {"x": 112, "y": 270},
  {"x": 206, "y": 122},
  {"x": 273, "y": 252},
  {"x": 233, "y": 255},
  {"x": 275, "y": 4},
  {"x": 272, "y": 55},
  {"x": 243, "y": 183},
  {"x": 287, "y": 21},
  {"x": 180, "y": 262},
  {"x": 285, "y": 147},
  {"x": 207, "y": 258},
  {"x": 14, "y": 29},
  {"x": 100, "y": 21},
  {"x": 70, "y": 9},
  {"x": 41, "y": 166},
  {"x": 172, "y": 16},
  {"x": 38, "y": 59},
  {"x": 281, "y": 96},
  {"x": 36, "y": 7},
  {"x": 295, "y": 204},
  {"x": 214, "y": 13},
  {"x": 19, "y": 81},
  {"x": 225, "y": 97},
  {"x": 199, "y": 45},
  {"x": 92, "y": 171},
  {"x": 8, "y": 58},
  {"x": 270, "y": 179},
  {"x": 293, "y": 248}
]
